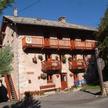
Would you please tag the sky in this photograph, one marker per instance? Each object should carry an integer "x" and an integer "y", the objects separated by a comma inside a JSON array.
[{"x": 83, "y": 12}]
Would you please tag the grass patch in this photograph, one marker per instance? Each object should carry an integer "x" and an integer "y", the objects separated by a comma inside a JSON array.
[{"x": 91, "y": 86}]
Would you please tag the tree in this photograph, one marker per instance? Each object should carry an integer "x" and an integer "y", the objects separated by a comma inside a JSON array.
[
  {"x": 102, "y": 37},
  {"x": 103, "y": 26},
  {"x": 4, "y": 4},
  {"x": 6, "y": 56}
]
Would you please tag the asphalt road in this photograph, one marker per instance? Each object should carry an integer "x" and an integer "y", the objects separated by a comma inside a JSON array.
[{"x": 77, "y": 99}]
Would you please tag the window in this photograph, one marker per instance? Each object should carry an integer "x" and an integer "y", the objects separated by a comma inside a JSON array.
[
  {"x": 29, "y": 81},
  {"x": 49, "y": 78}
]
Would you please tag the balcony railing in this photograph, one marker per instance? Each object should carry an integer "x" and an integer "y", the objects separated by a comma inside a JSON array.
[
  {"x": 51, "y": 65},
  {"x": 65, "y": 44},
  {"x": 53, "y": 43},
  {"x": 90, "y": 44},
  {"x": 78, "y": 64},
  {"x": 79, "y": 44},
  {"x": 41, "y": 42},
  {"x": 32, "y": 42}
]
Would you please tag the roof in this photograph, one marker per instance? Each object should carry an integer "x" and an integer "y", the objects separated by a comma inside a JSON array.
[{"x": 44, "y": 22}]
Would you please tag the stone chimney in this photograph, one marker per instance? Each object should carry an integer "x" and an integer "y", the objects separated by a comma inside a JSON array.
[
  {"x": 15, "y": 13},
  {"x": 62, "y": 19}
]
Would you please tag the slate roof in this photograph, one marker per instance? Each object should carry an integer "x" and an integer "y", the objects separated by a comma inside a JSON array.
[{"x": 44, "y": 22}]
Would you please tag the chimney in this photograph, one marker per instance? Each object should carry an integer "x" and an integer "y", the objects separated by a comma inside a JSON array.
[
  {"x": 15, "y": 13},
  {"x": 62, "y": 19}
]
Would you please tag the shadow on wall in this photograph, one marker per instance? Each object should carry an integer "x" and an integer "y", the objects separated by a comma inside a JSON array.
[
  {"x": 27, "y": 102},
  {"x": 91, "y": 74}
]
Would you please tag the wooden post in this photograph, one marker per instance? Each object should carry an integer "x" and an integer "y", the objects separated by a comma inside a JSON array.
[{"x": 99, "y": 67}]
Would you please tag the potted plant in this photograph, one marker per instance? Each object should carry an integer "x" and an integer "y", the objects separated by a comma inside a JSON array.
[
  {"x": 63, "y": 59},
  {"x": 57, "y": 75},
  {"x": 34, "y": 59},
  {"x": 56, "y": 57},
  {"x": 43, "y": 76},
  {"x": 70, "y": 59},
  {"x": 40, "y": 57}
]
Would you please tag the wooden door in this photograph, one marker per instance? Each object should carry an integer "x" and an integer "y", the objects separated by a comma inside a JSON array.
[
  {"x": 63, "y": 81},
  {"x": 49, "y": 79}
]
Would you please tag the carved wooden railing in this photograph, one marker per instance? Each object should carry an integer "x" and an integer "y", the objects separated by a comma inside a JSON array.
[
  {"x": 51, "y": 65},
  {"x": 77, "y": 64},
  {"x": 41, "y": 42},
  {"x": 32, "y": 42}
]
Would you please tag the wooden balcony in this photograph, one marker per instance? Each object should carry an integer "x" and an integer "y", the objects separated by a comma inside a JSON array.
[
  {"x": 32, "y": 42},
  {"x": 78, "y": 44},
  {"x": 90, "y": 45},
  {"x": 54, "y": 43},
  {"x": 78, "y": 64},
  {"x": 64, "y": 44},
  {"x": 51, "y": 65},
  {"x": 85, "y": 45}
]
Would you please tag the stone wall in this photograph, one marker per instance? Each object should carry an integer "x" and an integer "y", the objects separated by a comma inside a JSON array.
[
  {"x": 29, "y": 72},
  {"x": 11, "y": 39}
]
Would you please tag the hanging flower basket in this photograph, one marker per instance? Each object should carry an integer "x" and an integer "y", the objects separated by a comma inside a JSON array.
[
  {"x": 40, "y": 57},
  {"x": 39, "y": 77},
  {"x": 70, "y": 59},
  {"x": 56, "y": 58},
  {"x": 71, "y": 75},
  {"x": 43, "y": 76},
  {"x": 57, "y": 76},
  {"x": 63, "y": 59},
  {"x": 34, "y": 59}
]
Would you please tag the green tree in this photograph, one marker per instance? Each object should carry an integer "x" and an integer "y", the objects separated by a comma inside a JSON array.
[
  {"x": 6, "y": 56},
  {"x": 102, "y": 37},
  {"x": 4, "y": 4}
]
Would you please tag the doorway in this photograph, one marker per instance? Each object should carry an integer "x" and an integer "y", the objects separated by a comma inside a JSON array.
[{"x": 63, "y": 81}]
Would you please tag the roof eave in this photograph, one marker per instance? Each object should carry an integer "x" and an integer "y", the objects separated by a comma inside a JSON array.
[{"x": 79, "y": 28}]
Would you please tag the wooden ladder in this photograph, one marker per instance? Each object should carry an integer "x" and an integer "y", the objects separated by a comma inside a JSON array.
[{"x": 10, "y": 88}]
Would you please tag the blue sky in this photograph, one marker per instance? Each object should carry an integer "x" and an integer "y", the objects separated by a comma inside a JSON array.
[{"x": 84, "y": 12}]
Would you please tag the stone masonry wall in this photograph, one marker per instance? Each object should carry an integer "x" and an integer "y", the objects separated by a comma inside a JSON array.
[
  {"x": 11, "y": 39},
  {"x": 29, "y": 72}
]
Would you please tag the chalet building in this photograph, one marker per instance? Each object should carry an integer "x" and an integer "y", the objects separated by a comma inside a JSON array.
[{"x": 48, "y": 55}]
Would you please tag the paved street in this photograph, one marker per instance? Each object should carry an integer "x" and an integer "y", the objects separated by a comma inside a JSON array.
[
  {"x": 74, "y": 100},
  {"x": 77, "y": 99}
]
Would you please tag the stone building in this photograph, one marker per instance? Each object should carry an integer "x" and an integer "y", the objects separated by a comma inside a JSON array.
[{"x": 46, "y": 53}]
